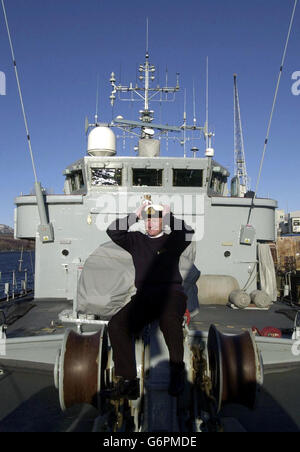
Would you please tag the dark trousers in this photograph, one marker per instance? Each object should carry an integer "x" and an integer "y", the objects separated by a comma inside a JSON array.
[{"x": 143, "y": 309}]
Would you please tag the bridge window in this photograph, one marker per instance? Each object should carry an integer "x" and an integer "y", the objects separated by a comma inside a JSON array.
[
  {"x": 218, "y": 182},
  {"x": 147, "y": 177},
  {"x": 73, "y": 184},
  {"x": 76, "y": 180},
  {"x": 106, "y": 176},
  {"x": 187, "y": 177},
  {"x": 80, "y": 179}
]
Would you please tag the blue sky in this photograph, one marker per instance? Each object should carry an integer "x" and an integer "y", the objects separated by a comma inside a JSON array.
[{"x": 61, "y": 46}]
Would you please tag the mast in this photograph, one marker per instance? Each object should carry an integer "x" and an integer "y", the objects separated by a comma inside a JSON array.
[
  {"x": 239, "y": 152},
  {"x": 144, "y": 90}
]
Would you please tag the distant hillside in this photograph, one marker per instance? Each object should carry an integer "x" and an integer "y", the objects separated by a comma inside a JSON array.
[{"x": 8, "y": 243}]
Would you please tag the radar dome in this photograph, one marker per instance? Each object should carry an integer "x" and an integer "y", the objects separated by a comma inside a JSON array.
[{"x": 101, "y": 142}]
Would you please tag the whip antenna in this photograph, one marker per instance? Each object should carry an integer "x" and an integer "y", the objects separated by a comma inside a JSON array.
[
  {"x": 45, "y": 228},
  {"x": 273, "y": 107},
  {"x": 20, "y": 91},
  {"x": 206, "y": 106},
  {"x": 147, "y": 35},
  {"x": 97, "y": 101}
]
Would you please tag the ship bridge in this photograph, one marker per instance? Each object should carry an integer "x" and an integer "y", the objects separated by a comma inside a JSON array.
[
  {"x": 99, "y": 188},
  {"x": 160, "y": 174}
]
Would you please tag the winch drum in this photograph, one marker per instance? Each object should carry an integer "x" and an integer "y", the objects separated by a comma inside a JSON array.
[
  {"x": 236, "y": 368},
  {"x": 79, "y": 368},
  {"x": 84, "y": 367}
]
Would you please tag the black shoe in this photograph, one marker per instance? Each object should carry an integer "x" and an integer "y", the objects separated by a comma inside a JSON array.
[
  {"x": 177, "y": 379},
  {"x": 124, "y": 389}
]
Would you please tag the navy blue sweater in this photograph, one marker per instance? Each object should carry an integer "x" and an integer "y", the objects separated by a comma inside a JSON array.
[{"x": 156, "y": 260}]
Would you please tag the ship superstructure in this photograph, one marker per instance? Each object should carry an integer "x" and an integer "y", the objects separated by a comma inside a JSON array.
[{"x": 102, "y": 184}]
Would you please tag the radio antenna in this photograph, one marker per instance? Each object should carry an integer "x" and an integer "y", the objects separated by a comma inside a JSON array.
[
  {"x": 273, "y": 108},
  {"x": 206, "y": 124},
  {"x": 45, "y": 228},
  {"x": 20, "y": 91},
  {"x": 147, "y": 35},
  {"x": 194, "y": 104},
  {"x": 97, "y": 100},
  {"x": 184, "y": 124}
]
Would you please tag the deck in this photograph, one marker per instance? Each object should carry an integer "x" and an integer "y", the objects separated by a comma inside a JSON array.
[{"x": 29, "y": 401}]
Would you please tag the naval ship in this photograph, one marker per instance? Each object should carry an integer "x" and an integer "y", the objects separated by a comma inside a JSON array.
[{"x": 55, "y": 356}]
